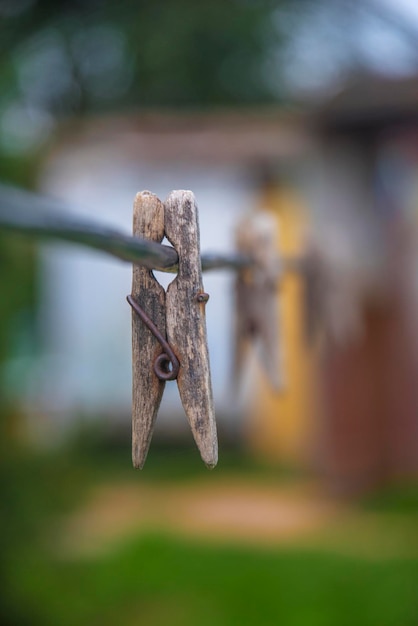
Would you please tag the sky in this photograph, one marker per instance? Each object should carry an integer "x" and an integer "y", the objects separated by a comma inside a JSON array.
[
  {"x": 324, "y": 44},
  {"x": 408, "y": 8}
]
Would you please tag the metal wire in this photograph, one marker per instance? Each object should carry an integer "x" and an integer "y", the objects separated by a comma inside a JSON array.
[
  {"x": 163, "y": 361},
  {"x": 34, "y": 216}
]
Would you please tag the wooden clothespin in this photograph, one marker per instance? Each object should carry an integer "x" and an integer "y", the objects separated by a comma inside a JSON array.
[
  {"x": 257, "y": 314},
  {"x": 169, "y": 329}
]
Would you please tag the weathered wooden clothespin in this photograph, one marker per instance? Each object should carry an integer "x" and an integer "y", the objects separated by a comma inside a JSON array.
[
  {"x": 257, "y": 314},
  {"x": 169, "y": 329}
]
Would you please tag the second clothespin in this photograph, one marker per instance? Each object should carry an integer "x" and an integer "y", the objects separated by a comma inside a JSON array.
[
  {"x": 257, "y": 322},
  {"x": 169, "y": 328}
]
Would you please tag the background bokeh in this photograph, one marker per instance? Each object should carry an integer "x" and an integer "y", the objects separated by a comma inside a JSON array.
[{"x": 306, "y": 110}]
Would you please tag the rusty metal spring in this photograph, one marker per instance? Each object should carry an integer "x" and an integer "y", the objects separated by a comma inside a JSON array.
[{"x": 167, "y": 357}]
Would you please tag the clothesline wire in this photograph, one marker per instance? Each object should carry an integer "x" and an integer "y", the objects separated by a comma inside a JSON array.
[{"x": 39, "y": 217}]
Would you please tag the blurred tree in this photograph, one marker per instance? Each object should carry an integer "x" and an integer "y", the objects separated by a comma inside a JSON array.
[{"x": 71, "y": 57}]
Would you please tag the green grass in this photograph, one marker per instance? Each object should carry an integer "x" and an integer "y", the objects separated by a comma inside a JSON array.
[
  {"x": 401, "y": 498},
  {"x": 160, "y": 579}
]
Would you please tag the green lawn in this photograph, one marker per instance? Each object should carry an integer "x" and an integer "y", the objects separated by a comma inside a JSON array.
[{"x": 159, "y": 579}]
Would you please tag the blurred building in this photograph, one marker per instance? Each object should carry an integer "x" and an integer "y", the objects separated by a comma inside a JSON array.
[
  {"x": 369, "y": 365},
  {"x": 343, "y": 183},
  {"x": 97, "y": 167}
]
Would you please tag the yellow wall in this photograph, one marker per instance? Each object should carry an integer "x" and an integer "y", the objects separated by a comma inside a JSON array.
[{"x": 280, "y": 422}]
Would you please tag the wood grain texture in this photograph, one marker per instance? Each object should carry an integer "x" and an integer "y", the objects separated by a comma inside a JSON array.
[
  {"x": 257, "y": 321},
  {"x": 186, "y": 324},
  {"x": 147, "y": 388}
]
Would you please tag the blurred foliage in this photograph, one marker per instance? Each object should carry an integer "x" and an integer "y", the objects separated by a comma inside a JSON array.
[
  {"x": 17, "y": 310},
  {"x": 72, "y": 57},
  {"x": 77, "y": 56},
  {"x": 18, "y": 278}
]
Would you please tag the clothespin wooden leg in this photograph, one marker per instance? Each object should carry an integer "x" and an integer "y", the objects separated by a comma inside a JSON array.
[
  {"x": 147, "y": 388},
  {"x": 185, "y": 323}
]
